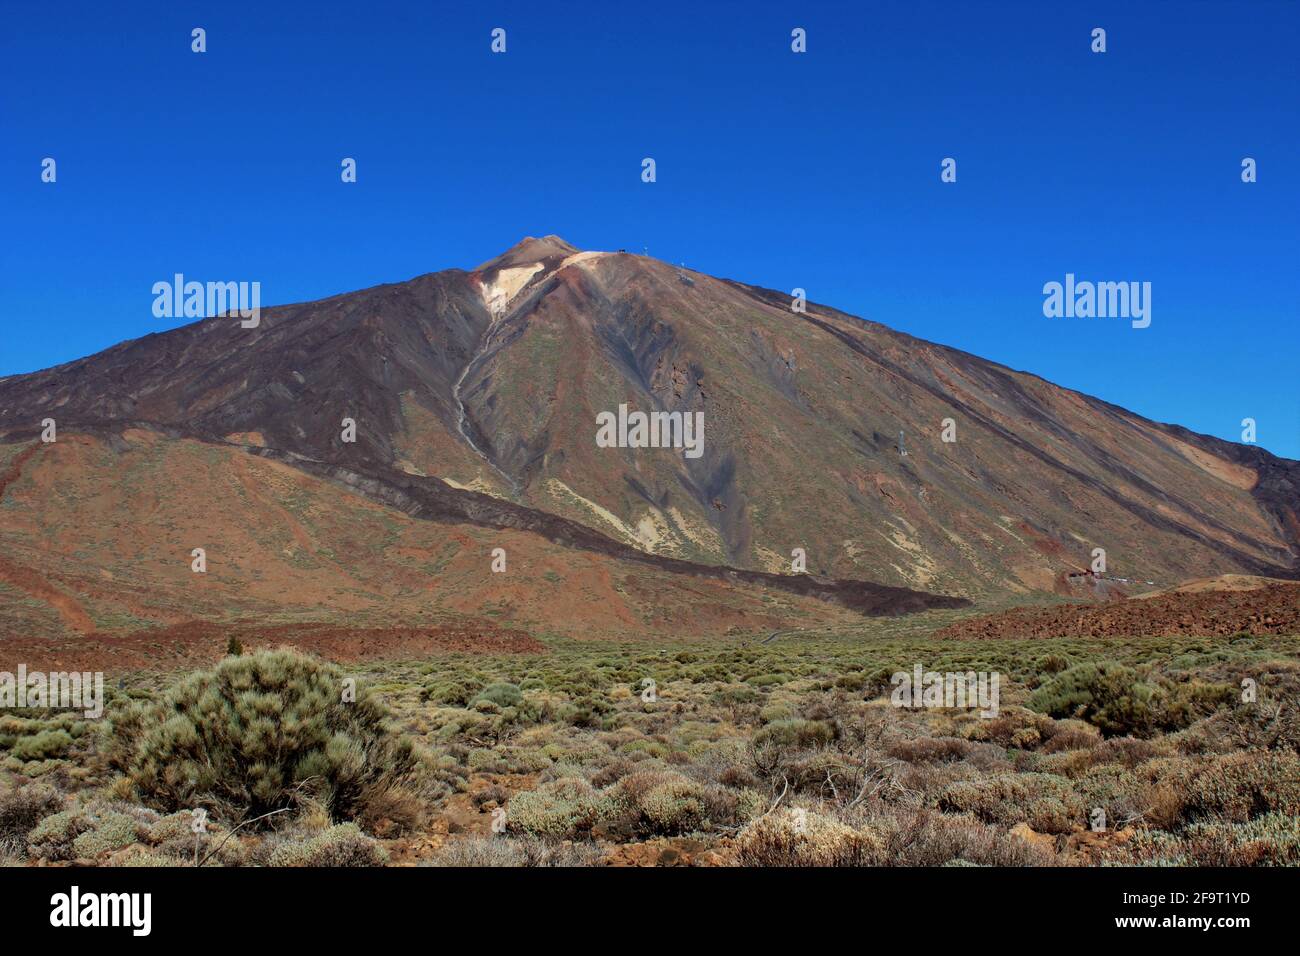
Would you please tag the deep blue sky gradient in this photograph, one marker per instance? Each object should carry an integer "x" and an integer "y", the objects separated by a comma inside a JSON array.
[{"x": 818, "y": 170}]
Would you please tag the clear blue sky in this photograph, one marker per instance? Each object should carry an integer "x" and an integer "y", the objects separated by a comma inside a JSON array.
[{"x": 818, "y": 170}]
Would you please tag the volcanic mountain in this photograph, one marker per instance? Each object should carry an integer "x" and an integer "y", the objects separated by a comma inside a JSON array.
[{"x": 475, "y": 397}]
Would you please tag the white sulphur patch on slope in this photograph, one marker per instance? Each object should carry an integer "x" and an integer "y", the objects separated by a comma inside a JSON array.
[{"x": 498, "y": 293}]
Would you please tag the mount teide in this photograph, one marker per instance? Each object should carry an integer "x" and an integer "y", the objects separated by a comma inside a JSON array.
[{"x": 475, "y": 396}]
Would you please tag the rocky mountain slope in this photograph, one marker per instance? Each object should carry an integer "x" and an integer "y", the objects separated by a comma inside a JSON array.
[{"x": 475, "y": 396}]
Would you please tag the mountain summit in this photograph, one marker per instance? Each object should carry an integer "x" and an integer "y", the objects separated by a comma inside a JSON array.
[
  {"x": 475, "y": 395},
  {"x": 529, "y": 251}
]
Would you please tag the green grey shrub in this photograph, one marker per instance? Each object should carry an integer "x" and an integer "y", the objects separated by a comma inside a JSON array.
[
  {"x": 52, "y": 838},
  {"x": 1120, "y": 700},
  {"x": 42, "y": 746},
  {"x": 807, "y": 840},
  {"x": 21, "y": 809},
  {"x": 795, "y": 733},
  {"x": 341, "y": 845},
  {"x": 109, "y": 831},
  {"x": 256, "y": 734},
  {"x": 502, "y": 694},
  {"x": 561, "y": 809}
]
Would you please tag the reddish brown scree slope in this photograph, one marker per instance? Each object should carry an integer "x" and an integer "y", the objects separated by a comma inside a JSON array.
[
  {"x": 198, "y": 644},
  {"x": 1270, "y": 610}
]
